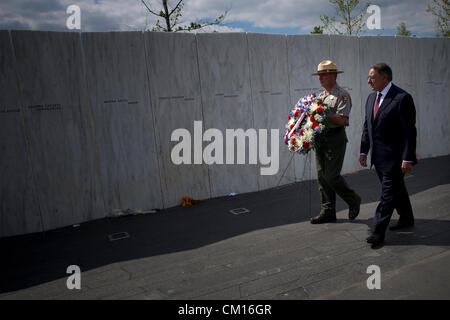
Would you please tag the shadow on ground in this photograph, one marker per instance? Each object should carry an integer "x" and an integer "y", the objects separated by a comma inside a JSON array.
[{"x": 34, "y": 259}]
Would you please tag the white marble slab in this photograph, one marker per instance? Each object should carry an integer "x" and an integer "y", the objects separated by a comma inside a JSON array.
[
  {"x": 19, "y": 206},
  {"x": 56, "y": 109},
  {"x": 227, "y": 104},
  {"x": 433, "y": 105},
  {"x": 176, "y": 101},
  {"x": 271, "y": 99},
  {"x": 123, "y": 118}
]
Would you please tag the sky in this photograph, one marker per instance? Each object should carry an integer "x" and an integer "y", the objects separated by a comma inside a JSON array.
[{"x": 261, "y": 16}]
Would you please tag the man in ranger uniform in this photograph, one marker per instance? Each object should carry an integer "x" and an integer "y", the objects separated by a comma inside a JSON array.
[{"x": 331, "y": 152}]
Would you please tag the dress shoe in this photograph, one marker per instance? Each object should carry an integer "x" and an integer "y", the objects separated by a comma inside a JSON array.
[
  {"x": 401, "y": 225},
  {"x": 375, "y": 239},
  {"x": 321, "y": 218},
  {"x": 354, "y": 210}
]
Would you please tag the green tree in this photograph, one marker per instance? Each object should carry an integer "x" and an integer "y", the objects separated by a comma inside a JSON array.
[
  {"x": 317, "y": 30},
  {"x": 402, "y": 31},
  {"x": 171, "y": 18},
  {"x": 441, "y": 10},
  {"x": 348, "y": 22}
]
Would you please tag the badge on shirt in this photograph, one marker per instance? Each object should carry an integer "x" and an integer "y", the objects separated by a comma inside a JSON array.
[{"x": 345, "y": 98}]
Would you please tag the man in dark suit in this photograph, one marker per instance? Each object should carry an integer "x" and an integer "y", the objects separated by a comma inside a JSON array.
[{"x": 390, "y": 133}]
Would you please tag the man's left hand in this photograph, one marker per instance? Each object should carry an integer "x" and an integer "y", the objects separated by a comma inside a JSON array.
[
  {"x": 406, "y": 167},
  {"x": 337, "y": 119}
]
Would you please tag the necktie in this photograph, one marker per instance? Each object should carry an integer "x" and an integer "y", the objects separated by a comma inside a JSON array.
[{"x": 376, "y": 106}]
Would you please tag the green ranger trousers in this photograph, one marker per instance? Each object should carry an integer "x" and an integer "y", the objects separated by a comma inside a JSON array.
[{"x": 329, "y": 160}]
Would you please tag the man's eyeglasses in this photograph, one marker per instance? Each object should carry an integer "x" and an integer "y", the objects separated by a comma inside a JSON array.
[{"x": 371, "y": 77}]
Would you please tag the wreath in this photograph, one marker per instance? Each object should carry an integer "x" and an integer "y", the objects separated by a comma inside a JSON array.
[{"x": 307, "y": 123}]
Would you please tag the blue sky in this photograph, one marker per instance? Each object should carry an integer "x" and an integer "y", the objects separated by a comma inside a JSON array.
[
  {"x": 262, "y": 16},
  {"x": 248, "y": 27}
]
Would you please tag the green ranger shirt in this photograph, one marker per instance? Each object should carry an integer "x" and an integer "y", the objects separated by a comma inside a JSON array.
[{"x": 339, "y": 102}]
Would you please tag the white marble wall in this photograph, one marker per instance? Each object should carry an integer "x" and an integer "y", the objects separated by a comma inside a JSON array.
[
  {"x": 91, "y": 115},
  {"x": 176, "y": 101},
  {"x": 56, "y": 114},
  {"x": 227, "y": 104},
  {"x": 433, "y": 105},
  {"x": 19, "y": 208},
  {"x": 271, "y": 99},
  {"x": 123, "y": 121}
]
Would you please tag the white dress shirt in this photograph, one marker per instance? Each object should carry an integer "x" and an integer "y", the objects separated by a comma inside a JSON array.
[{"x": 384, "y": 92}]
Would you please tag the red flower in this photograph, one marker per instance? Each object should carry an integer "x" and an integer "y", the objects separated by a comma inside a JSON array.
[
  {"x": 289, "y": 117},
  {"x": 301, "y": 133},
  {"x": 319, "y": 110},
  {"x": 312, "y": 119},
  {"x": 305, "y": 144},
  {"x": 285, "y": 141},
  {"x": 315, "y": 125},
  {"x": 319, "y": 103},
  {"x": 292, "y": 125},
  {"x": 293, "y": 148},
  {"x": 293, "y": 140},
  {"x": 296, "y": 114}
]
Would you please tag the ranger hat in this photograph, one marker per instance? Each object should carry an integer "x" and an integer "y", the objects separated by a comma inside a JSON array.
[{"x": 326, "y": 66}]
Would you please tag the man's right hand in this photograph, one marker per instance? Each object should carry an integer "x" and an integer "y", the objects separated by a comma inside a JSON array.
[{"x": 363, "y": 160}]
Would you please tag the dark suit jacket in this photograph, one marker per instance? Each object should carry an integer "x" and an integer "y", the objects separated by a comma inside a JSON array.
[{"x": 392, "y": 134}]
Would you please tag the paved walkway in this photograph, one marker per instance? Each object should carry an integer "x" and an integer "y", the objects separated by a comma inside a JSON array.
[{"x": 271, "y": 252}]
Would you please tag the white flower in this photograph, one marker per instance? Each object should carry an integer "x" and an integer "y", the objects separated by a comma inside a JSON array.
[
  {"x": 308, "y": 125},
  {"x": 318, "y": 118},
  {"x": 308, "y": 134},
  {"x": 296, "y": 141}
]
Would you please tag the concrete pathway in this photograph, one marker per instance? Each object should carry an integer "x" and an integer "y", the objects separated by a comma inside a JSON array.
[{"x": 270, "y": 252}]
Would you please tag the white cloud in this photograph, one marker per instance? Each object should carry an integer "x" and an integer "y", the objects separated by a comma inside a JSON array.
[
  {"x": 413, "y": 13},
  {"x": 262, "y": 13},
  {"x": 219, "y": 28},
  {"x": 104, "y": 15}
]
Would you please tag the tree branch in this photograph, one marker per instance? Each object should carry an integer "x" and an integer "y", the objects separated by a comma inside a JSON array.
[
  {"x": 196, "y": 26},
  {"x": 175, "y": 7},
  {"x": 150, "y": 10}
]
